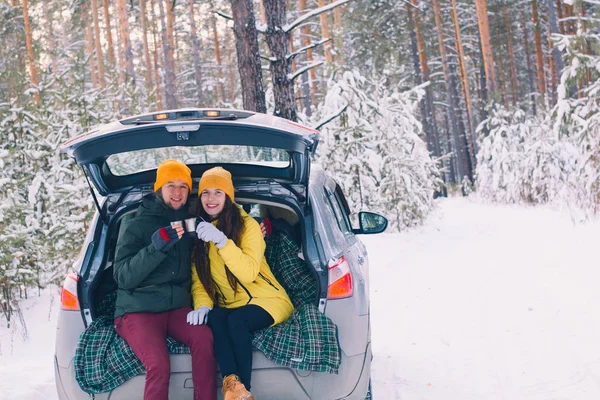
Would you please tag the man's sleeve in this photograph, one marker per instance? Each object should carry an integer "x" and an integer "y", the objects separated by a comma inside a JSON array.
[{"x": 134, "y": 260}]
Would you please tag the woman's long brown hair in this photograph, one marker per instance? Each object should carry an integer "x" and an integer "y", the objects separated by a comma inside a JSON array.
[{"x": 231, "y": 223}]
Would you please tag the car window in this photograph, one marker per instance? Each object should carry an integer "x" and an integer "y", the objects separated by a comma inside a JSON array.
[
  {"x": 131, "y": 162},
  {"x": 343, "y": 203},
  {"x": 340, "y": 215}
]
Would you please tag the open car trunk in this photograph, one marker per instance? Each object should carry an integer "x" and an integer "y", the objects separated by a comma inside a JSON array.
[
  {"x": 284, "y": 249},
  {"x": 283, "y": 219}
]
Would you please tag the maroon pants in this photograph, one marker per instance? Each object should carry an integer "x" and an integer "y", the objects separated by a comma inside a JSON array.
[{"x": 146, "y": 335}]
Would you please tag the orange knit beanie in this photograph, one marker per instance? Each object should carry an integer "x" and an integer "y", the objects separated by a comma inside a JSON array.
[
  {"x": 172, "y": 170},
  {"x": 216, "y": 178}
]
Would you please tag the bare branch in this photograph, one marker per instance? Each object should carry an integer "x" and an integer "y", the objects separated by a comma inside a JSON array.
[
  {"x": 259, "y": 27},
  {"x": 411, "y": 4},
  {"x": 313, "y": 13},
  {"x": 303, "y": 49},
  {"x": 331, "y": 117},
  {"x": 303, "y": 70},
  {"x": 222, "y": 14}
]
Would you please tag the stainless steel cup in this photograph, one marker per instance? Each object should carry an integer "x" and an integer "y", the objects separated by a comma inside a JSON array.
[
  {"x": 190, "y": 226},
  {"x": 175, "y": 223}
]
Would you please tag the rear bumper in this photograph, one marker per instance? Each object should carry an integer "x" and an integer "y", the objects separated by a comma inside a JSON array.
[{"x": 269, "y": 381}]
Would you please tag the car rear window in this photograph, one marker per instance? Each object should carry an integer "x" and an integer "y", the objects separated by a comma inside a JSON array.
[{"x": 128, "y": 163}]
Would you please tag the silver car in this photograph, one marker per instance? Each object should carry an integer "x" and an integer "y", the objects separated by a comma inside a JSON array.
[{"x": 270, "y": 160}]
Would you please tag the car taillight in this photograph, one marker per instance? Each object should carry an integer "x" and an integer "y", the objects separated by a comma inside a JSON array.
[
  {"x": 340, "y": 279},
  {"x": 68, "y": 294}
]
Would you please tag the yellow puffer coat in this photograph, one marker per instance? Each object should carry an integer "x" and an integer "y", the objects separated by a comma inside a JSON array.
[{"x": 256, "y": 283}]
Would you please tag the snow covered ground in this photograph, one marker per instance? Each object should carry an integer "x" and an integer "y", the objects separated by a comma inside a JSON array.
[{"x": 482, "y": 302}]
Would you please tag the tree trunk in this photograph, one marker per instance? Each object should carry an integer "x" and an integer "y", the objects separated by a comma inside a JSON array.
[
  {"x": 306, "y": 34},
  {"x": 170, "y": 99},
  {"x": 587, "y": 48},
  {"x": 486, "y": 47},
  {"x": 325, "y": 33},
  {"x": 464, "y": 79},
  {"x": 418, "y": 78},
  {"x": 503, "y": 92},
  {"x": 263, "y": 14},
  {"x": 293, "y": 68},
  {"x": 528, "y": 61},
  {"x": 557, "y": 61},
  {"x": 437, "y": 150},
  {"x": 461, "y": 159},
  {"x": 99, "y": 56},
  {"x": 196, "y": 54},
  {"x": 511, "y": 56},
  {"x": 126, "y": 43},
  {"x": 30, "y": 55},
  {"x": 109, "y": 40},
  {"x": 539, "y": 54},
  {"x": 553, "y": 80},
  {"x": 89, "y": 44},
  {"x": 144, "y": 26},
  {"x": 338, "y": 34},
  {"x": 561, "y": 24},
  {"x": 569, "y": 24},
  {"x": 248, "y": 55},
  {"x": 155, "y": 44},
  {"x": 220, "y": 89},
  {"x": 169, "y": 4},
  {"x": 230, "y": 66},
  {"x": 278, "y": 42},
  {"x": 51, "y": 38}
]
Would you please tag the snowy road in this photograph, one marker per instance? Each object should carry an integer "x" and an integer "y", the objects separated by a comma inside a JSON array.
[
  {"x": 487, "y": 302},
  {"x": 483, "y": 302}
]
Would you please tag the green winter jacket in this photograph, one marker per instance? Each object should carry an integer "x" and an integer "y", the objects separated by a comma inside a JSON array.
[{"x": 149, "y": 280}]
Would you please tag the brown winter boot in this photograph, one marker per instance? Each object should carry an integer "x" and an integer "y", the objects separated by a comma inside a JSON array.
[{"x": 233, "y": 389}]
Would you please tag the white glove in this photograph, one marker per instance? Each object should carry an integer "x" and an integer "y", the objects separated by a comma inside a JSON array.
[
  {"x": 207, "y": 232},
  {"x": 198, "y": 316}
]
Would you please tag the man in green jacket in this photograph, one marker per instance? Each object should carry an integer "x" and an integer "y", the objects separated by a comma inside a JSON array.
[{"x": 153, "y": 273}]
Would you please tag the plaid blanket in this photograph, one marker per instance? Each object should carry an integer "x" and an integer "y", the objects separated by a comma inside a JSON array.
[
  {"x": 103, "y": 359},
  {"x": 306, "y": 341}
]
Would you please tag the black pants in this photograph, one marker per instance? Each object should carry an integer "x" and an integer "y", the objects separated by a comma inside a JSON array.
[{"x": 232, "y": 330}]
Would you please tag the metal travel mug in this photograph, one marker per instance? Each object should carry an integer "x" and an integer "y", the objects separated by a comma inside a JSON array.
[
  {"x": 175, "y": 223},
  {"x": 190, "y": 226}
]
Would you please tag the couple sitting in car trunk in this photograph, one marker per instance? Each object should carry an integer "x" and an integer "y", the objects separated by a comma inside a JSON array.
[{"x": 223, "y": 272}]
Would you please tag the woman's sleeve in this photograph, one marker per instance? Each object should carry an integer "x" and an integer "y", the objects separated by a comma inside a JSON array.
[
  {"x": 244, "y": 261},
  {"x": 199, "y": 295}
]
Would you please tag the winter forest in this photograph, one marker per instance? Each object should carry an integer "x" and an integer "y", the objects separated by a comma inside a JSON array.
[{"x": 413, "y": 98}]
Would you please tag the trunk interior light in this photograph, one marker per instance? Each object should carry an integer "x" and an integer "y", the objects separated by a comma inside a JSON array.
[
  {"x": 340, "y": 279},
  {"x": 68, "y": 294}
]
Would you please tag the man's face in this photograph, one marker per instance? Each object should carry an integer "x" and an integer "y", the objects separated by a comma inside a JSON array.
[{"x": 175, "y": 194}]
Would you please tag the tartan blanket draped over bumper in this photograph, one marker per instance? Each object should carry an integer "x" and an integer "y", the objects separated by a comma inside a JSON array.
[{"x": 306, "y": 341}]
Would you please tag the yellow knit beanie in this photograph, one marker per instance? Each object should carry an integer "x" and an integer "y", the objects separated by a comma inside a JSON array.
[
  {"x": 172, "y": 170},
  {"x": 216, "y": 178}
]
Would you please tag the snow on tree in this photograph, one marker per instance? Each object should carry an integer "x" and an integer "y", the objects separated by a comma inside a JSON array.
[
  {"x": 46, "y": 205},
  {"x": 576, "y": 116},
  {"x": 374, "y": 149},
  {"x": 521, "y": 159}
]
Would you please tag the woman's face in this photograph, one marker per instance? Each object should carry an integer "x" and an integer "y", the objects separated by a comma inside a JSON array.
[{"x": 213, "y": 201}]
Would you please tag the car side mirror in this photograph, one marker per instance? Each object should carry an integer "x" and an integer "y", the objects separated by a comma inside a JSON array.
[{"x": 370, "y": 223}]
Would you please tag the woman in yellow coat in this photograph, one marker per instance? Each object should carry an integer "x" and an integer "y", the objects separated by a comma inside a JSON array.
[{"x": 233, "y": 288}]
